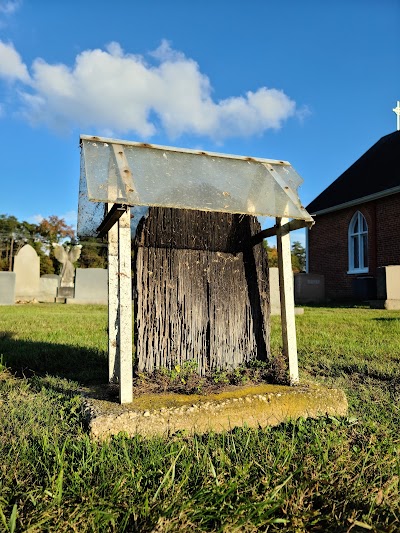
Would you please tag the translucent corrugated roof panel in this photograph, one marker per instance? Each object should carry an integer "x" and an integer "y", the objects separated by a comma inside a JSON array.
[{"x": 131, "y": 173}]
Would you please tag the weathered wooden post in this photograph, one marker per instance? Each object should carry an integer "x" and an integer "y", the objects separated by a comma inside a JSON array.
[
  {"x": 201, "y": 289},
  {"x": 287, "y": 298}
]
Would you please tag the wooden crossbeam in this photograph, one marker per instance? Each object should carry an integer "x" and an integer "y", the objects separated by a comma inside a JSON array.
[
  {"x": 283, "y": 230},
  {"x": 114, "y": 214}
]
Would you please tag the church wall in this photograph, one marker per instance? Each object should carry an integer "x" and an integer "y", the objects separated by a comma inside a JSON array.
[{"x": 328, "y": 244}]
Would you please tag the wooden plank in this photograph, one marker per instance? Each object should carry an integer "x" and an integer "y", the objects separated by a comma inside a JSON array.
[
  {"x": 125, "y": 174},
  {"x": 287, "y": 299},
  {"x": 114, "y": 213},
  {"x": 270, "y": 232},
  {"x": 125, "y": 309},
  {"x": 202, "y": 291}
]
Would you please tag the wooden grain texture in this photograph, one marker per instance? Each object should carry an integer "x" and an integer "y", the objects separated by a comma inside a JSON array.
[{"x": 201, "y": 291}]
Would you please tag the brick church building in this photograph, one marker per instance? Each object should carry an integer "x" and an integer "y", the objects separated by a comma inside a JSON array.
[{"x": 357, "y": 223}]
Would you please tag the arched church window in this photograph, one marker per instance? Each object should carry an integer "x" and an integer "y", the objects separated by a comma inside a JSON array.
[{"x": 358, "y": 243}]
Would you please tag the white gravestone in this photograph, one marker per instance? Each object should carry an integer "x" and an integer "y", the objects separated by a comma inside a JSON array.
[
  {"x": 27, "y": 272},
  {"x": 388, "y": 288},
  {"x": 7, "y": 288},
  {"x": 91, "y": 286},
  {"x": 48, "y": 287},
  {"x": 274, "y": 293}
]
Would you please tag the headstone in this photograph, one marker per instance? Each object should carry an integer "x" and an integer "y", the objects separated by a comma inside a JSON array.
[
  {"x": 388, "y": 288},
  {"x": 27, "y": 271},
  {"x": 275, "y": 297},
  {"x": 309, "y": 288},
  {"x": 48, "y": 286},
  {"x": 65, "y": 292},
  {"x": 7, "y": 288},
  {"x": 91, "y": 286},
  {"x": 388, "y": 282},
  {"x": 364, "y": 288}
]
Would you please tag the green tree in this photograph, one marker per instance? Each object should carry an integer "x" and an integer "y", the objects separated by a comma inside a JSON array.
[
  {"x": 54, "y": 229},
  {"x": 298, "y": 254},
  {"x": 51, "y": 230},
  {"x": 298, "y": 257},
  {"x": 272, "y": 254},
  {"x": 14, "y": 234},
  {"x": 93, "y": 254}
]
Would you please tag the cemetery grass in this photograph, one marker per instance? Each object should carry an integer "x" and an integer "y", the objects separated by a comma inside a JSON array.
[{"x": 303, "y": 476}]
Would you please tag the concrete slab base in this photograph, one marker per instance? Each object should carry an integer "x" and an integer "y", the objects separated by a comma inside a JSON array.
[{"x": 165, "y": 414}]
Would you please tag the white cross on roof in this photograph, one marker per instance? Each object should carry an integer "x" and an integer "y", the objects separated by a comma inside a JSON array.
[{"x": 397, "y": 111}]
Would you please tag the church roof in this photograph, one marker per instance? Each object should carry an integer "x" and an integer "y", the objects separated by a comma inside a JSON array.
[{"x": 375, "y": 174}]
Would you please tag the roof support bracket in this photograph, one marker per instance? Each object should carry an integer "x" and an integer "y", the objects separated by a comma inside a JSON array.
[
  {"x": 279, "y": 230},
  {"x": 111, "y": 218}
]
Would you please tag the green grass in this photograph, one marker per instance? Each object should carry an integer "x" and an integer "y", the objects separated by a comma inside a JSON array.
[
  {"x": 304, "y": 476},
  {"x": 65, "y": 341}
]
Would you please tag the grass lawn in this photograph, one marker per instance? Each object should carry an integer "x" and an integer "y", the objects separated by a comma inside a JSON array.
[{"x": 310, "y": 475}]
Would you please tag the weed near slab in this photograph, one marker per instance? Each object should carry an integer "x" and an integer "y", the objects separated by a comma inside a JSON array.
[{"x": 185, "y": 379}]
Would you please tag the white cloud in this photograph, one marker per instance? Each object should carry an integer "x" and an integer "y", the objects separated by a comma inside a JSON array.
[
  {"x": 165, "y": 53},
  {"x": 8, "y": 7},
  {"x": 11, "y": 65},
  {"x": 114, "y": 91},
  {"x": 303, "y": 113},
  {"x": 70, "y": 218},
  {"x": 35, "y": 219}
]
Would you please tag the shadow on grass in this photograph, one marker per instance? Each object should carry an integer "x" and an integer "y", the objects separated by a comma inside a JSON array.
[
  {"x": 337, "y": 304},
  {"x": 28, "y": 358}
]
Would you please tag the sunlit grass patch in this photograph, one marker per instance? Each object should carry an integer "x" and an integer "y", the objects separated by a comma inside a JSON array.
[{"x": 310, "y": 475}]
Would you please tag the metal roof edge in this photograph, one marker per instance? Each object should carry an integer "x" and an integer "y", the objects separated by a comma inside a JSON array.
[
  {"x": 363, "y": 199},
  {"x": 183, "y": 150}
]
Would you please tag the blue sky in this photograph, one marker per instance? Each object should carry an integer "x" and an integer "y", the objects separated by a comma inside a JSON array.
[{"x": 312, "y": 82}]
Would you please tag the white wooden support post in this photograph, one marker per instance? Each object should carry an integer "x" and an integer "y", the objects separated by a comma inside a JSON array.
[
  {"x": 287, "y": 299},
  {"x": 120, "y": 365},
  {"x": 113, "y": 287},
  {"x": 125, "y": 308}
]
